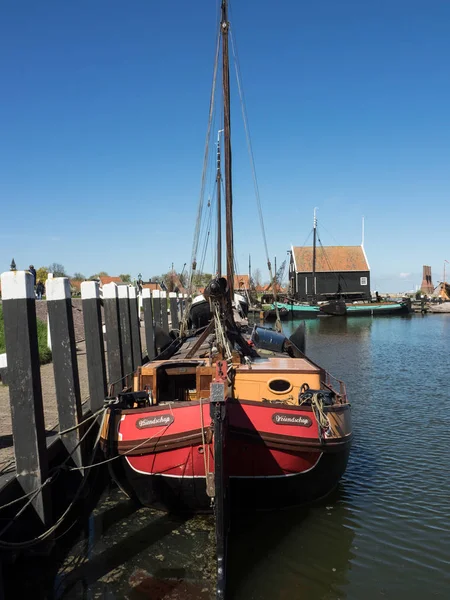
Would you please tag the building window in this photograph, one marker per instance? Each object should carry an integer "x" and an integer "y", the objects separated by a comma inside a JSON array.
[{"x": 363, "y": 280}]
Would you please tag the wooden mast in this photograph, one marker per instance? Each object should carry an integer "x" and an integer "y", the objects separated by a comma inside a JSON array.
[
  {"x": 227, "y": 149},
  {"x": 314, "y": 260},
  {"x": 219, "y": 210}
]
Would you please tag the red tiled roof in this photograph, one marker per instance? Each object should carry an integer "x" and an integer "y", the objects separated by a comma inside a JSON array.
[
  {"x": 330, "y": 258},
  {"x": 151, "y": 286},
  {"x": 107, "y": 279},
  {"x": 241, "y": 282},
  {"x": 269, "y": 288}
]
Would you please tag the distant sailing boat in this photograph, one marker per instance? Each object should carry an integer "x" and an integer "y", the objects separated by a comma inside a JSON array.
[{"x": 223, "y": 418}]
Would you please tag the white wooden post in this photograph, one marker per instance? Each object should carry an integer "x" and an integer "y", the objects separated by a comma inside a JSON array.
[{"x": 49, "y": 337}]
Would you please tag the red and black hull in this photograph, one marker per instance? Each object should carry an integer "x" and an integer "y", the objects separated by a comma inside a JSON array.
[
  {"x": 269, "y": 464},
  {"x": 183, "y": 494}
]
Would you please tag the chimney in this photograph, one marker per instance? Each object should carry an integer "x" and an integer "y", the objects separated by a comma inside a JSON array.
[{"x": 427, "y": 285}]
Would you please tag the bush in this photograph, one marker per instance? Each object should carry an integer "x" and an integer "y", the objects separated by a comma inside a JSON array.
[{"x": 45, "y": 354}]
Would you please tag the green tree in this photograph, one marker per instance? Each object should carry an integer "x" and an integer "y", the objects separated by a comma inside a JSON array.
[
  {"x": 202, "y": 279},
  {"x": 78, "y": 277},
  {"x": 41, "y": 274},
  {"x": 125, "y": 278},
  {"x": 57, "y": 269},
  {"x": 98, "y": 275}
]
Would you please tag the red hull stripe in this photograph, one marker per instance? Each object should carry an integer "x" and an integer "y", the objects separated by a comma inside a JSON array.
[{"x": 202, "y": 476}]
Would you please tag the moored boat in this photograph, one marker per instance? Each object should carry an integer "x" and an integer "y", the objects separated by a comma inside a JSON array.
[
  {"x": 288, "y": 430},
  {"x": 226, "y": 419},
  {"x": 293, "y": 310},
  {"x": 363, "y": 309}
]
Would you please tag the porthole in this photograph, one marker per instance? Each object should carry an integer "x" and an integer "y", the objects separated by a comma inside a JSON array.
[{"x": 280, "y": 386}]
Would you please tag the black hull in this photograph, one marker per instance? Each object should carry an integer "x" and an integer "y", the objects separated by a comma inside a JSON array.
[
  {"x": 337, "y": 308},
  {"x": 183, "y": 494},
  {"x": 362, "y": 310},
  {"x": 271, "y": 315}
]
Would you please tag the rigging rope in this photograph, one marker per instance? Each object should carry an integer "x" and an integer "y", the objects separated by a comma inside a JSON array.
[
  {"x": 255, "y": 180},
  {"x": 205, "y": 166}
]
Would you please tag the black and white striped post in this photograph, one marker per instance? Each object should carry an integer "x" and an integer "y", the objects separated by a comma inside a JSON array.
[
  {"x": 95, "y": 348},
  {"x": 173, "y": 301},
  {"x": 157, "y": 307},
  {"x": 25, "y": 392},
  {"x": 148, "y": 323},
  {"x": 113, "y": 339},
  {"x": 135, "y": 328},
  {"x": 125, "y": 332},
  {"x": 164, "y": 315},
  {"x": 65, "y": 365}
]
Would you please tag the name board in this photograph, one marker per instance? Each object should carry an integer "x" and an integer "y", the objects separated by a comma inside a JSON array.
[
  {"x": 156, "y": 421},
  {"x": 290, "y": 419}
]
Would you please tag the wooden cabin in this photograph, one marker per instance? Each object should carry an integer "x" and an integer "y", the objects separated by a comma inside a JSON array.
[{"x": 340, "y": 270}]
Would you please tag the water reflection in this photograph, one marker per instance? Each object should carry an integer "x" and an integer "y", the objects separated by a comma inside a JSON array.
[
  {"x": 340, "y": 326},
  {"x": 298, "y": 553}
]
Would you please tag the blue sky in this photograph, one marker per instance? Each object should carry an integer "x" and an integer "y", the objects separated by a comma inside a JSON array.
[{"x": 103, "y": 115}]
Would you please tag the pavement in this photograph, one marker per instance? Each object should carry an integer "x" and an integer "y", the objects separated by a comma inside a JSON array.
[{"x": 49, "y": 402}]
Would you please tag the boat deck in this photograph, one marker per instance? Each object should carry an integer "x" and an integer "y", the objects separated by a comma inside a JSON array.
[{"x": 280, "y": 364}]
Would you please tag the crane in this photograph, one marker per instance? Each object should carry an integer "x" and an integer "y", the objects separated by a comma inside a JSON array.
[{"x": 278, "y": 278}]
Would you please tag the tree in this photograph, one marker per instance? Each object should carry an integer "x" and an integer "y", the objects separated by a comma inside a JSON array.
[
  {"x": 257, "y": 278},
  {"x": 78, "y": 277},
  {"x": 41, "y": 274},
  {"x": 201, "y": 279},
  {"x": 98, "y": 275},
  {"x": 125, "y": 278},
  {"x": 57, "y": 269}
]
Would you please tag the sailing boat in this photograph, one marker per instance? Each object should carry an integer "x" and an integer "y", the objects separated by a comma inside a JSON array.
[{"x": 222, "y": 419}]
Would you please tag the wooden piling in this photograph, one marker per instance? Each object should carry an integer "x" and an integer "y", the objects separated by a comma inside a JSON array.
[
  {"x": 25, "y": 392},
  {"x": 157, "y": 308},
  {"x": 65, "y": 364},
  {"x": 148, "y": 322},
  {"x": 164, "y": 316},
  {"x": 113, "y": 340},
  {"x": 181, "y": 305},
  {"x": 173, "y": 301},
  {"x": 135, "y": 328},
  {"x": 125, "y": 331},
  {"x": 95, "y": 348}
]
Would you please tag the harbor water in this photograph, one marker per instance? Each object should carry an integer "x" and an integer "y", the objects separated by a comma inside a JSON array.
[{"x": 383, "y": 534}]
